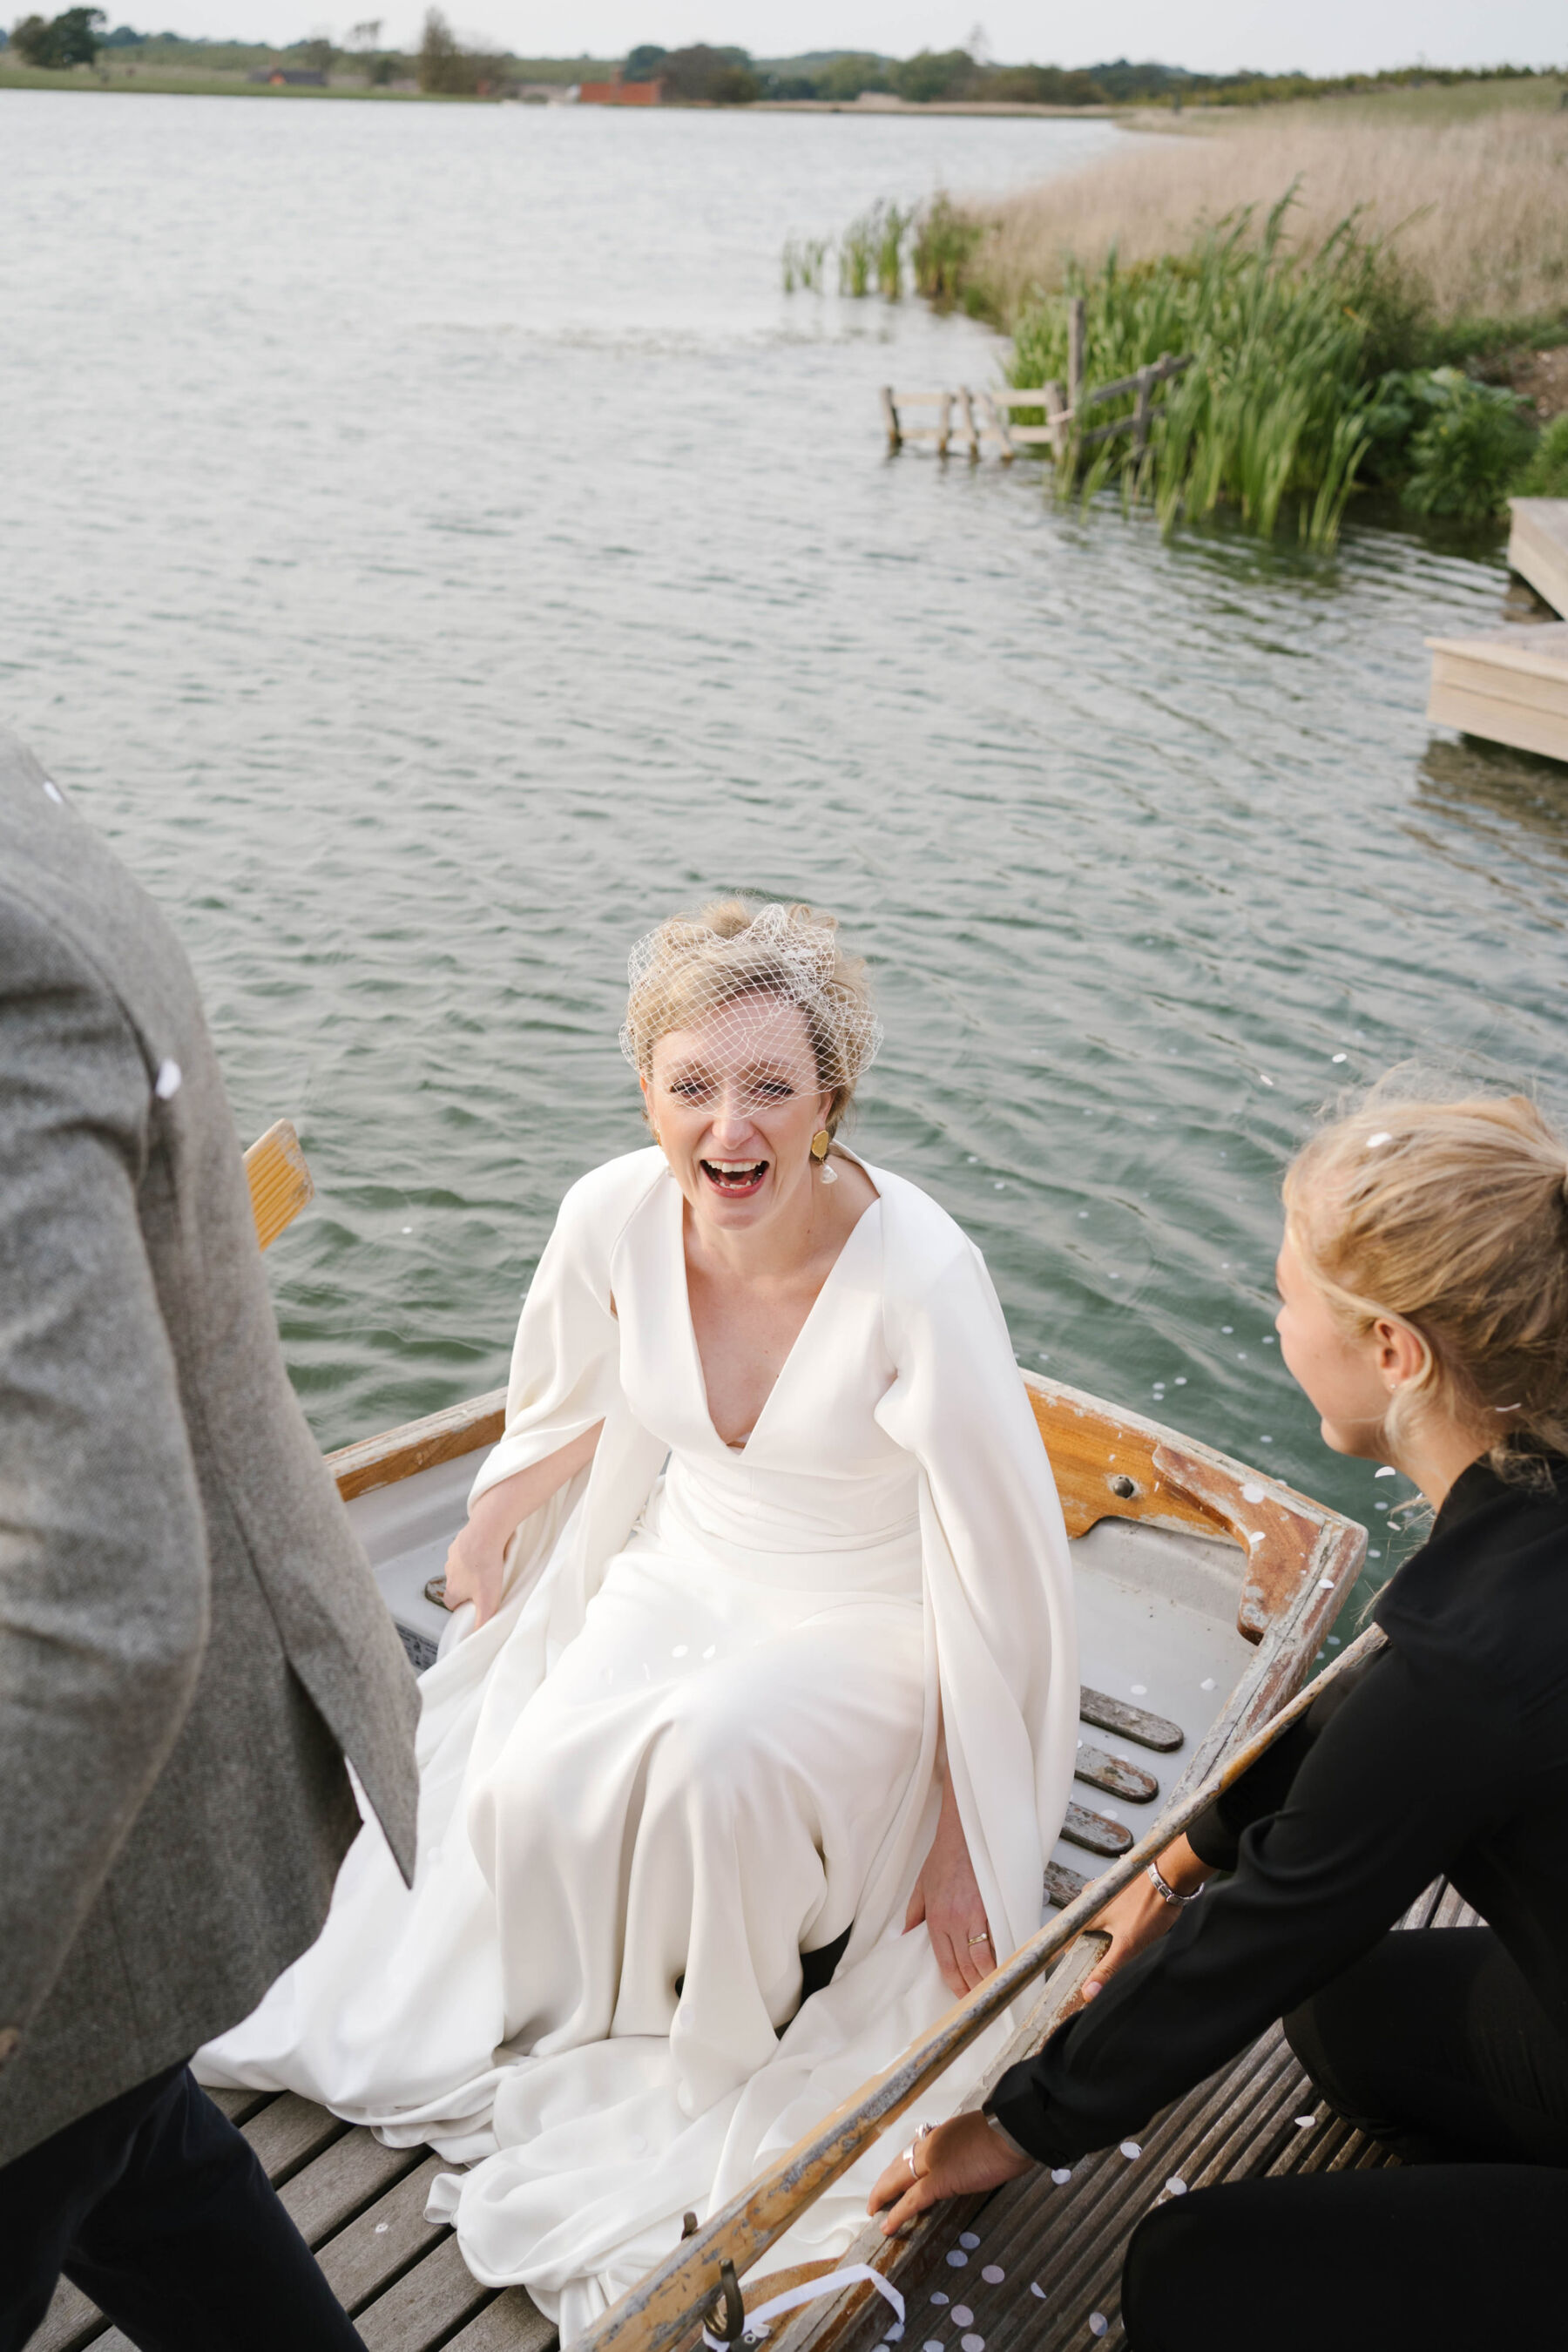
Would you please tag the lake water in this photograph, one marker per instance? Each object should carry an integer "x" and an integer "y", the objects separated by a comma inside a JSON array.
[{"x": 435, "y": 547}]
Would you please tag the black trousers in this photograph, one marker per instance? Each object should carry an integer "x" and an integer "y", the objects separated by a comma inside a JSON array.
[
  {"x": 156, "y": 2207},
  {"x": 1435, "y": 2043}
]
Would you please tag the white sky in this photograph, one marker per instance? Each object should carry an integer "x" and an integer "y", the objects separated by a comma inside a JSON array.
[{"x": 1209, "y": 35}]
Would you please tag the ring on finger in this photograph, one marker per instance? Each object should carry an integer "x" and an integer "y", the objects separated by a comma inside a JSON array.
[
  {"x": 924, "y": 2132},
  {"x": 981, "y": 1939}
]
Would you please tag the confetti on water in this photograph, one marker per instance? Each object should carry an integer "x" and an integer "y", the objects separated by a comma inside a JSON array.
[
  {"x": 54, "y": 792},
  {"x": 1176, "y": 2186},
  {"x": 956, "y": 2260},
  {"x": 969, "y": 2238},
  {"x": 993, "y": 2274},
  {"x": 1037, "y": 2289},
  {"x": 1129, "y": 2149},
  {"x": 1062, "y": 2175},
  {"x": 1267, "y": 1081},
  {"x": 1098, "y": 2323},
  {"x": 1336, "y": 1057}
]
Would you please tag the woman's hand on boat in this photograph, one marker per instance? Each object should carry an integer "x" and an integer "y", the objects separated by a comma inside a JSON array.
[
  {"x": 476, "y": 1570},
  {"x": 1140, "y": 1915},
  {"x": 958, "y": 2159},
  {"x": 947, "y": 1897}
]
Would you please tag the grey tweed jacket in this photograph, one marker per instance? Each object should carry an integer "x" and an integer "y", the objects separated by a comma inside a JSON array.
[{"x": 190, "y": 1641}]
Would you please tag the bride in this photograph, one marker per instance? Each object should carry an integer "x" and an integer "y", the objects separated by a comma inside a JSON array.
[{"x": 755, "y": 1720}]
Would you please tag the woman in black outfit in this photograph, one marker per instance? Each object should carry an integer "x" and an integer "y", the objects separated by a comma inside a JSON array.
[{"x": 1423, "y": 1282}]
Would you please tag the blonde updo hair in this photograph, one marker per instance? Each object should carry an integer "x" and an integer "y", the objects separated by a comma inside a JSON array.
[
  {"x": 681, "y": 973},
  {"x": 1450, "y": 1217}
]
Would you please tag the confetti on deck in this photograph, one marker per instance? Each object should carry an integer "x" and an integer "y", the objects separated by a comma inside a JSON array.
[
  {"x": 939, "y": 2296},
  {"x": 962, "y": 2315},
  {"x": 957, "y": 2261},
  {"x": 973, "y": 2343},
  {"x": 993, "y": 2273},
  {"x": 1129, "y": 2149},
  {"x": 1176, "y": 2186},
  {"x": 1303, "y": 2122},
  {"x": 1061, "y": 2176},
  {"x": 1037, "y": 2289},
  {"x": 969, "y": 2238},
  {"x": 1098, "y": 2323}
]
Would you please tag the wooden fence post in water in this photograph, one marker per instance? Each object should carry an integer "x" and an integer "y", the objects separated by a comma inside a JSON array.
[
  {"x": 1075, "y": 321},
  {"x": 1057, "y": 416},
  {"x": 944, "y": 421},
  {"x": 890, "y": 417},
  {"x": 971, "y": 431},
  {"x": 1146, "y": 376}
]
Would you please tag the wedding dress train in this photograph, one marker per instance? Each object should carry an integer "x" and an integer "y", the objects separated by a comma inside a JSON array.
[{"x": 697, "y": 1740}]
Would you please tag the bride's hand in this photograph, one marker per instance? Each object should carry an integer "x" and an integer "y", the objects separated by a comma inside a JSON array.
[
  {"x": 476, "y": 1568},
  {"x": 1139, "y": 1916},
  {"x": 947, "y": 1897}
]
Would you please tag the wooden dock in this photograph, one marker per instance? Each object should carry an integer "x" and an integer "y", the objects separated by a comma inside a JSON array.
[
  {"x": 404, "y": 2282},
  {"x": 1537, "y": 548},
  {"x": 1509, "y": 686}
]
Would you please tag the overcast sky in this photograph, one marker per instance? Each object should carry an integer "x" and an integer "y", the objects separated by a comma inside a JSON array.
[{"x": 1319, "y": 35}]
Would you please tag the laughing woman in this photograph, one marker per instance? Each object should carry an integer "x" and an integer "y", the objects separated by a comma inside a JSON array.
[{"x": 756, "y": 1720}]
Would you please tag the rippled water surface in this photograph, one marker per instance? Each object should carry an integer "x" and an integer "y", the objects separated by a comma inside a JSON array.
[{"x": 435, "y": 548}]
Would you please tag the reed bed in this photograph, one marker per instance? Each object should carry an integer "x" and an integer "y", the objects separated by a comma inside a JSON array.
[{"x": 1475, "y": 204}]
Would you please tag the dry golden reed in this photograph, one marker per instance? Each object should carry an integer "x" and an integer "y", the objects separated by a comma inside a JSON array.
[{"x": 1480, "y": 203}]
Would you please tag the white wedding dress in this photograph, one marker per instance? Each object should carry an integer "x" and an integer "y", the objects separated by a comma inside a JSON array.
[{"x": 696, "y": 1739}]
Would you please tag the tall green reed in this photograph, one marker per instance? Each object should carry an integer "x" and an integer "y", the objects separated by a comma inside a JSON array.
[{"x": 1270, "y": 419}]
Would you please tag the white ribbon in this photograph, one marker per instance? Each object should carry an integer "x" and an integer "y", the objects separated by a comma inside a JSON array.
[{"x": 813, "y": 2291}]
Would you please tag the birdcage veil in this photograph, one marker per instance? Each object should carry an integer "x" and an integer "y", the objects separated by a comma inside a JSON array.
[{"x": 714, "y": 971}]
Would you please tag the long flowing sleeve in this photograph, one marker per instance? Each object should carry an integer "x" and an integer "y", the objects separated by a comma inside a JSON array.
[{"x": 998, "y": 1580}]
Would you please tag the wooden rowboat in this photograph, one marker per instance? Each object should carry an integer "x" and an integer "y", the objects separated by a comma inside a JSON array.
[{"x": 1204, "y": 1592}]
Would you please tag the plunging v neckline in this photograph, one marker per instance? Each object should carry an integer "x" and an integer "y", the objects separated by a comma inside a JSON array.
[{"x": 795, "y": 1346}]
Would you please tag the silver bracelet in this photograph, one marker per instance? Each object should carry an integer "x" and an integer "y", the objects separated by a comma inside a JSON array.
[{"x": 1166, "y": 1892}]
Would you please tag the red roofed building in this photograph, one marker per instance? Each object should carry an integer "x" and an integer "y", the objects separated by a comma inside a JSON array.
[{"x": 620, "y": 94}]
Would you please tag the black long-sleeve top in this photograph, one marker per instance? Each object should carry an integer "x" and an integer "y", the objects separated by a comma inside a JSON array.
[{"x": 1447, "y": 1753}]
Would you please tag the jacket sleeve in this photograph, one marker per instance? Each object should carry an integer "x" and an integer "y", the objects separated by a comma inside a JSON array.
[
  {"x": 103, "y": 1568},
  {"x": 1405, "y": 1772}
]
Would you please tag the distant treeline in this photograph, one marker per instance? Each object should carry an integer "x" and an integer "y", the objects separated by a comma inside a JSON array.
[{"x": 707, "y": 76}]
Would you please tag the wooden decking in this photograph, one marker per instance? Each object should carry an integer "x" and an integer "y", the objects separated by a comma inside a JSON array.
[{"x": 361, "y": 2208}]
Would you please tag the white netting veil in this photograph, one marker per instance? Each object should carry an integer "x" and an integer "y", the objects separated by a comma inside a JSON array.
[{"x": 770, "y": 993}]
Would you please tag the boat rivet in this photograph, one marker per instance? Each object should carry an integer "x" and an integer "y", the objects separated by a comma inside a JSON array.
[{"x": 1123, "y": 1485}]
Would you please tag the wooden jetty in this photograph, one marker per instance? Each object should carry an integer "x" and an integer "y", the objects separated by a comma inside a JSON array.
[
  {"x": 1509, "y": 686},
  {"x": 1204, "y": 1592},
  {"x": 1537, "y": 548}
]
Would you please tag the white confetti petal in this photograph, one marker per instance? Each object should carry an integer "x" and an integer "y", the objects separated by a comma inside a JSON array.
[
  {"x": 680, "y": 1650},
  {"x": 1336, "y": 1057},
  {"x": 962, "y": 2315},
  {"x": 1140, "y": 1690},
  {"x": 969, "y": 2238},
  {"x": 934, "y": 2344},
  {"x": 1266, "y": 1080},
  {"x": 382, "y": 2228},
  {"x": 1325, "y": 1583},
  {"x": 1176, "y": 2186},
  {"x": 1252, "y": 1492},
  {"x": 1385, "y": 1472},
  {"x": 1129, "y": 2149},
  {"x": 1208, "y": 1683},
  {"x": 54, "y": 792},
  {"x": 895, "y": 2334},
  {"x": 956, "y": 2260},
  {"x": 169, "y": 1080},
  {"x": 1098, "y": 2323},
  {"x": 1061, "y": 2176},
  {"x": 1037, "y": 2289},
  {"x": 1303, "y": 2122},
  {"x": 993, "y": 2273},
  {"x": 973, "y": 2343},
  {"x": 712, "y": 1651},
  {"x": 1255, "y": 1537},
  {"x": 939, "y": 2296}
]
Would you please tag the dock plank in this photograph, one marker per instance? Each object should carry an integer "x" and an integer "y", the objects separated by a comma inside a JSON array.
[
  {"x": 1537, "y": 548},
  {"x": 349, "y": 2175},
  {"x": 389, "y": 2236},
  {"x": 71, "y": 2321},
  {"x": 509, "y": 2323},
  {"x": 426, "y": 2306},
  {"x": 289, "y": 2132},
  {"x": 1509, "y": 686}
]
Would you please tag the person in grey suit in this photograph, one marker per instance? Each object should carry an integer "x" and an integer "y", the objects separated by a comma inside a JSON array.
[{"x": 192, "y": 1649}]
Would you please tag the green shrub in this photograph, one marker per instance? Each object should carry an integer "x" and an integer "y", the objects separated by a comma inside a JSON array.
[
  {"x": 1546, "y": 476},
  {"x": 1468, "y": 444},
  {"x": 944, "y": 247}
]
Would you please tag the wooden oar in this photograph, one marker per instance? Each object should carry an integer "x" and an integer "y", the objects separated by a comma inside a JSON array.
[
  {"x": 281, "y": 1180},
  {"x": 663, "y": 2307}
]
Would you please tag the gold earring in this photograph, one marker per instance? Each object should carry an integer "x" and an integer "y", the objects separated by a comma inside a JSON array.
[{"x": 819, "y": 1143}]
